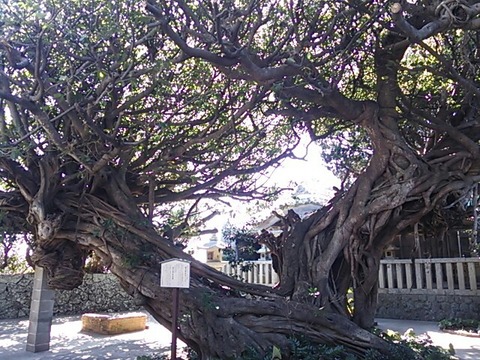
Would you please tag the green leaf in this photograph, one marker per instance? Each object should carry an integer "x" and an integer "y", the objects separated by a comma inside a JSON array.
[{"x": 276, "y": 353}]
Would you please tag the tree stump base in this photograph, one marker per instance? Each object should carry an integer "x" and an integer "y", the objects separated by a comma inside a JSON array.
[{"x": 114, "y": 324}]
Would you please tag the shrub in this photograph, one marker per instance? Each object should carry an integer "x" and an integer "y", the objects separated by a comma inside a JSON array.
[
  {"x": 470, "y": 325},
  {"x": 403, "y": 347}
]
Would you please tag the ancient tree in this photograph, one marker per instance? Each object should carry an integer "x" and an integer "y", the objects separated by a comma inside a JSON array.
[{"x": 112, "y": 114}]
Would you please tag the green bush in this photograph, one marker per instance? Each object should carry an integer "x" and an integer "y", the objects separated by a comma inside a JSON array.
[
  {"x": 15, "y": 265},
  {"x": 470, "y": 325},
  {"x": 411, "y": 346},
  {"x": 403, "y": 347}
]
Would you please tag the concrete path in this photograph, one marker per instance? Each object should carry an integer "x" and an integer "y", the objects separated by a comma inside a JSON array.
[
  {"x": 68, "y": 343},
  {"x": 466, "y": 348}
]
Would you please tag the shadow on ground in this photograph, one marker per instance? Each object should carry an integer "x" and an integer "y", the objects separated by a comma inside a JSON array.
[
  {"x": 466, "y": 348},
  {"x": 68, "y": 342}
]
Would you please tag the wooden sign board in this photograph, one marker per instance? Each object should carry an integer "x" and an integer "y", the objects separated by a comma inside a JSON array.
[{"x": 175, "y": 273}]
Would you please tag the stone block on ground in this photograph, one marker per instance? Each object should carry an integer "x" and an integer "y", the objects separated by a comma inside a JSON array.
[{"x": 114, "y": 324}]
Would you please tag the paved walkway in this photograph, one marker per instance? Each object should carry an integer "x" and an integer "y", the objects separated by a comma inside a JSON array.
[
  {"x": 466, "y": 348},
  {"x": 68, "y": 343}
]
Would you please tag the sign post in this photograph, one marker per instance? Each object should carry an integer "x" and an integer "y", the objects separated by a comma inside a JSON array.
[{"x": 175, "y": 273}]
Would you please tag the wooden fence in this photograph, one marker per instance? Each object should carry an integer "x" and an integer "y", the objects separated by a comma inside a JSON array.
[
  {"x": 254, "y": 272},
  {"x": 459, "y": 276}
]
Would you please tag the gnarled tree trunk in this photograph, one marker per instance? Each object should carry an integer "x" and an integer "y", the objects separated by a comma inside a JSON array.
[
  {"x": 133, "y": 113},
  {"x": 219, "y": 316},
  {"x": 322, "y": 256}
]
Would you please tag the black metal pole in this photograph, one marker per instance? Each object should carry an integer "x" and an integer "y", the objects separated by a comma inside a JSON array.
[{"x": 174, "y": 324}]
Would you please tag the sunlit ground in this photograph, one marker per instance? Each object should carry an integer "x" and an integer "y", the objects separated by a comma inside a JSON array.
[
  {"x": 67, "y": 342},
  {"x": 466, "y": 348}
]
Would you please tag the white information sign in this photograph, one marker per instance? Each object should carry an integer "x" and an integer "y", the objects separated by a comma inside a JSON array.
[{"x": 175, "y": 273}]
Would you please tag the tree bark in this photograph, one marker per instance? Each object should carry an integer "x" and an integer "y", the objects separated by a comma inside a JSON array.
[
  {"x": 72, "y": 190},
  {"x": 219, "y": 316},
  {"x": 322, "y": 257},
  {"x": 336, "y": 249}
]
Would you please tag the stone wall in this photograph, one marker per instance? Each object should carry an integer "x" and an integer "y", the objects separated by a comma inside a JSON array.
[
  {"x": 428, "y": 307},
  {"x": 98, "y": 293},
  {"x": 102, "y": 293}
]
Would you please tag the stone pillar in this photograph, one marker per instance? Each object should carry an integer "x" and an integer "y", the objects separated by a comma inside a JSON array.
[{"x": 41, "y": 313}]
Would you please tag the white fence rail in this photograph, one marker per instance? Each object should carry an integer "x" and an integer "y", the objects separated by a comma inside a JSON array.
[
  {"x": 458, "y": 276},
  {"x": 254, "y": 272}
]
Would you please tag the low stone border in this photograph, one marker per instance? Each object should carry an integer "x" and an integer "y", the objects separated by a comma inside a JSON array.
[
  {"x": 428, "y": 307},
  {"x": 114, "y": 324}
]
